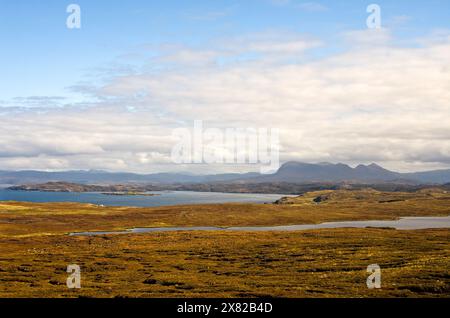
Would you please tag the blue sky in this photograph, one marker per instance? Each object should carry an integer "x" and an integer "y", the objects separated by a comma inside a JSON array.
[
  {"x": 35, "y": 40},
  {"x": 109, "y": 95}
]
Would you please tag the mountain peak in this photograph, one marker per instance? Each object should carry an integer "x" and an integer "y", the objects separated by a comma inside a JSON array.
[
  {"x": 372, "y": 166},
  {"x": 325, "y": 163},
  {"x": 331, "y": 172}
]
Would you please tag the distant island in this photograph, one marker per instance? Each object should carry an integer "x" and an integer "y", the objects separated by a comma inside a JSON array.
[
  {"x": 126, "y": 190},
  {"x": 264, "y": 188},
  {"x": 128, "y": 193},
  {"x": 73, "y": 187}
]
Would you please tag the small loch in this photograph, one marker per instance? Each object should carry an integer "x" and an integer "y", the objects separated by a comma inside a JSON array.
[{"x": 406, "y": 223}]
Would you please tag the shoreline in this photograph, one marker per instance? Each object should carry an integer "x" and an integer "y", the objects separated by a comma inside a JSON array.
[{"x": 337, "y": 206}]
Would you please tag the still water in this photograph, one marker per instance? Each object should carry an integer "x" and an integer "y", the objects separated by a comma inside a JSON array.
[
  {"x": 409, "y": 223},
  {"x": 161, "y": 198}
]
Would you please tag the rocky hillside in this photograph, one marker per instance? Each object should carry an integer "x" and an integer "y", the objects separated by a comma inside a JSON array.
[{"x": 364, "y": 196}]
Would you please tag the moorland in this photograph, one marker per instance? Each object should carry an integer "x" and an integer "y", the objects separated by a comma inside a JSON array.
[{"x": 35, "y": 249}]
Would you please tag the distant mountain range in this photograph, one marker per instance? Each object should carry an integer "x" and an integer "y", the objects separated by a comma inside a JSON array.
[
  {"x": 290, "y": 172},
  {"x": 327, "y": 172},
  {"x": 104, "y": 177}
]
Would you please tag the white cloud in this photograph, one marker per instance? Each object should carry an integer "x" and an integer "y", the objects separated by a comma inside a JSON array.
[{"x": 375, "y": 102}]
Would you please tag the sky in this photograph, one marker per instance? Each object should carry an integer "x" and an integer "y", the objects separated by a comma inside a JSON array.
[{"x": 110, "y": 94}]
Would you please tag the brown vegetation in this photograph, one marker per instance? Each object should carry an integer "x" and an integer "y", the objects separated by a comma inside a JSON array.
[{"x": 35, "y": 250}]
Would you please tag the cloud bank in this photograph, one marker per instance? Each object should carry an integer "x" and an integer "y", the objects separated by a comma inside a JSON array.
[{"x": 373, "y": 102}]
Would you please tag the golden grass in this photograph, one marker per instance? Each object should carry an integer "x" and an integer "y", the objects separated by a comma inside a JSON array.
[
  {"x": 34, "y": 250},
  {"x": 320, "y": 263}
]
